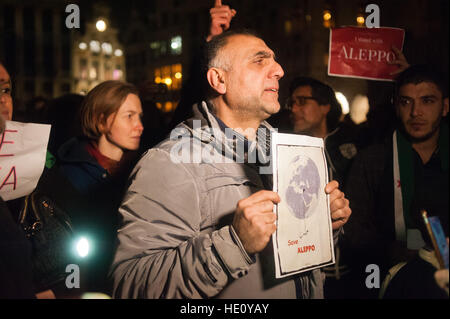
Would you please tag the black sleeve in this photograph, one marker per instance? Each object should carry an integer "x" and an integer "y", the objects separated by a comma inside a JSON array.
[{"x": 16, "y": 279}]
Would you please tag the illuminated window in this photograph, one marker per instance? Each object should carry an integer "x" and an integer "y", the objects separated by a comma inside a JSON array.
[
  {"x": 93, "y": 72},
  {"x": 118, "y": 52},
  {"x": 176, "y": 45},
  {"x": 83, "y": 69},
  {"x": 107, "y": 48},
  {"x": 176, "y": 75},
  {"x": 171, "y": 75},
  {"x": 117, "y": 73},
  {"x": 94, "y": 46},
  {"x": 82, "y": 46},
  {"x": 287, "y": 26},
  {"x": 168, "y": 106},
  {"x": 108, "y": 71},
  {"x": 155, "y": 45}
]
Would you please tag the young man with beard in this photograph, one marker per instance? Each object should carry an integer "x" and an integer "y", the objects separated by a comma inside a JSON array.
[
  {"x": 202, "y": 229},
  {"x": 390, "y": 183}
]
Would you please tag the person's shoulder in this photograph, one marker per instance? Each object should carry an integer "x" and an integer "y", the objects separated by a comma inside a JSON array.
[
  {"x": 74, "y": 150},
  {"x": 376, "y": 151}
]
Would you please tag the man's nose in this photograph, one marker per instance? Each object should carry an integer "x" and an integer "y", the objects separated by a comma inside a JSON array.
[
  {"x": 277, "y": 71},
  {"x": 2, "y": 97},
  {"x": 416, "y": 109}
]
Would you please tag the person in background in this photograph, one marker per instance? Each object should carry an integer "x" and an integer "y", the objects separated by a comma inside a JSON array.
[
  {"x": 16, "y": 277},
  {"x": 391, "y": 181},
  {"x": 16, "y": 273},
  {"x": 6, "y": 102},
  {"x": 98, "y": 163},
  {"x": 316, "y": 112}
]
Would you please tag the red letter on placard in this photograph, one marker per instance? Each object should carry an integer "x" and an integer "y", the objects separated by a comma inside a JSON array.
[
  {"x": 2, "y": 141},
  {"x": 14, "y": 182}
]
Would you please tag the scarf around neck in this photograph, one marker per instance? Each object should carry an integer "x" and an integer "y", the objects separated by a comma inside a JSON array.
[{"x": 404, "y": 177}]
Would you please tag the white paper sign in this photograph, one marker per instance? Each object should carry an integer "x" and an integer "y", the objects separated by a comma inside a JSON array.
[
  {"x": 23, "y": 148},
  {"x": 304, "y": 237}
]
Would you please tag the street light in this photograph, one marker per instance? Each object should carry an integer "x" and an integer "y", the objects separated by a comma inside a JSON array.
[
  {"x": 327, "y": 21},
  {"x": 360, "y": 20},
  {"x": 100, "y": 25}
]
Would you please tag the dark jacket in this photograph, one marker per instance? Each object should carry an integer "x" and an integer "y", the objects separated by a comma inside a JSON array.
[
  {"x": 16, "y": 280},
  {"x": 370, "y": 232},
  {"x": 341, "y": 147},
  {"x": 102, "y": 194},
  {"x": 83, "y": 170}
]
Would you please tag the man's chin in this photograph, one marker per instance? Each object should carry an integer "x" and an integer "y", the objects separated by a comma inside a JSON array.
[
  {"x": 417, "y": 137},
  {"x": 271, "y": 110}
]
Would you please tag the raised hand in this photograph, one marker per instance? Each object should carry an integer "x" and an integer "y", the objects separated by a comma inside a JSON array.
[
  {"x": 221, "y": 16},
  {"x": 400, "y": 60}
]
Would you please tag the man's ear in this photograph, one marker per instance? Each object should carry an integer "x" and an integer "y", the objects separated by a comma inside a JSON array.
[
  {"x": 445, "y": 109},
  {"x": 216, "y": 79}
]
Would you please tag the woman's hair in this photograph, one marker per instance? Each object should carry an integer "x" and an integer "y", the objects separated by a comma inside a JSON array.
[{"x": 102, "y": 101}]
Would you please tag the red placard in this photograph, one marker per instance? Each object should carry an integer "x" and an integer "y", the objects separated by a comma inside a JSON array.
[{"x": 357, "y": 52}]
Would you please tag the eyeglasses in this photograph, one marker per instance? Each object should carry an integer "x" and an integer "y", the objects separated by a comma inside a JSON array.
[{"x": 298, "y": 100}]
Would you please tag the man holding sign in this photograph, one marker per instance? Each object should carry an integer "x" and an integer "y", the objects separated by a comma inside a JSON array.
[{"x": 202, "y": 230}]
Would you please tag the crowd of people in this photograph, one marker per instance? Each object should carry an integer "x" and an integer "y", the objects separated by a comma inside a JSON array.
[{"x": 169, "y": 229}]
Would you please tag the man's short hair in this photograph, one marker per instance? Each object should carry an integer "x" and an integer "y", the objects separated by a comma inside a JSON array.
[
  {"x": 213, "y": 47},
  {"x": 324, "y": 95},
  {"x": 102, "y": 101},
  {"x": 416, "y": 74},
  {"x": 211, "y": 51}
]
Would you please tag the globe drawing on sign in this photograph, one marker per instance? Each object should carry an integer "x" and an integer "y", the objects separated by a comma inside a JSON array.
[{"x": 302, "y": 192}]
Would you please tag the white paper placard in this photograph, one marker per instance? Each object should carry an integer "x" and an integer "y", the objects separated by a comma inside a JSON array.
[
  {"x": 23, "y": 149},
  {"x": 303, "y": 239}
]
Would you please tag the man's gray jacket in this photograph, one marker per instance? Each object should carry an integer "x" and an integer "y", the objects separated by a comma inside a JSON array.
[{"x": 175, "y": 238}]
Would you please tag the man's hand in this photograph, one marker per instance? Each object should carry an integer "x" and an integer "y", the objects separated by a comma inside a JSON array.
[
  {"x": 400, "y": 60},
  {"x": 254, "y": 220},
  {"x": 339, "y": 205},
  {"x": 220, "y": 19},
  {"x": 441, "y": 277}
]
